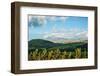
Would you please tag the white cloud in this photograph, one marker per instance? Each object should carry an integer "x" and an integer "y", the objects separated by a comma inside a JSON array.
[
  {"x": 42, "y": 20},
  {"x": 55, "y": 35},
  {"x": 82, "y": 35},
  {"x": 37, "y": 20},
  {"x": 66, "y": 35},
  {"x": 52, "y": 18},
  {"x": 63, "y": 18}
]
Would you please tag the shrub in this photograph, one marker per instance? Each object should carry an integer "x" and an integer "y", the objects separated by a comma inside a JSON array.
[
  {"x": 52, "y": 54},
  {"x": 78, "y": 53}
]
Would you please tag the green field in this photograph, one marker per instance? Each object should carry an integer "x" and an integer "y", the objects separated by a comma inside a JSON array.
[{"x": 39, "y": 49}]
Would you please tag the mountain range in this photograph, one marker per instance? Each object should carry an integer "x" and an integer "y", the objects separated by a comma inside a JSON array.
[{"x": 40, "y": 43}]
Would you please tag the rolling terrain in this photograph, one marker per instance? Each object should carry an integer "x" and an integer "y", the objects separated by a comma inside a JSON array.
[{"x": 40, "y": 46}]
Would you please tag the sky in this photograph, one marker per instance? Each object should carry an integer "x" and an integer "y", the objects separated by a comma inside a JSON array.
[{"x": 57, "y": 27}]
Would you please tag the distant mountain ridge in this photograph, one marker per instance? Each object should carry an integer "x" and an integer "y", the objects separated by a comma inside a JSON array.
[{"x": 40, "y": 43}]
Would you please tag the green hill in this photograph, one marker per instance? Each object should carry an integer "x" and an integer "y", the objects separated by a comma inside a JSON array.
[{"x": 40, "y": 43}]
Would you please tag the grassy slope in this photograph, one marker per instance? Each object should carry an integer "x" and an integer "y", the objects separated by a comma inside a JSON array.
[{"x": 39, "y": 43}]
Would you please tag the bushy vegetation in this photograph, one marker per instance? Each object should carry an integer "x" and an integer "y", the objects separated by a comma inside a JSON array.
[
  {"x": 39, "y": 49},
  {"x": 54, "y": 54}
]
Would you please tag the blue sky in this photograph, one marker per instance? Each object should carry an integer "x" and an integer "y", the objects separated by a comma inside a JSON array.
[{"x": 55, "y": 27}]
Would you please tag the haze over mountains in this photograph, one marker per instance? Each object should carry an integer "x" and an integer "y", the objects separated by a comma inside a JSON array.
[
  {"x": 63, "y": 36},
  {"x": 66, "y": 37},
  {"x": 66, "y": 40}
]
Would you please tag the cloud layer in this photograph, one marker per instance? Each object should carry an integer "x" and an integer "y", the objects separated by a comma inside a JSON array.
[
  {"x": 67, "y": 34},
  {"x": 36, "y": 21}
]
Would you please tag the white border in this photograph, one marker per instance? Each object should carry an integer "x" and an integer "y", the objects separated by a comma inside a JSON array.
[{"x": 25, "y": 64}]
